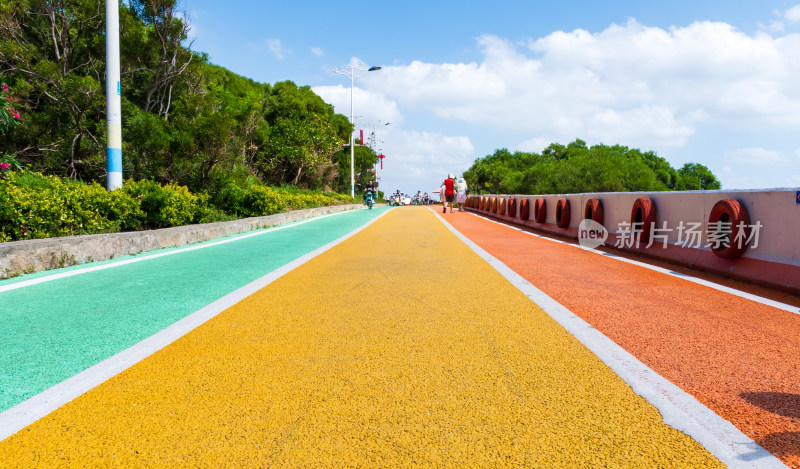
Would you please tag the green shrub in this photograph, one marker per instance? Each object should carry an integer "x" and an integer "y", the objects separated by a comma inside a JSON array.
[
  {"x": 253, "y": 199},
  {"x": 37, "y": 206},
  {"x": 165, "y": 206},
  {"x": 260, "y": 200}
]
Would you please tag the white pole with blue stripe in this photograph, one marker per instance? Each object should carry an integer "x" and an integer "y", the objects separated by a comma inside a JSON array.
[{"x": 113, "y": 98}]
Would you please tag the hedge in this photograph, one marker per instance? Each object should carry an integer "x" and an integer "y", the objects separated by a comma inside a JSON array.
[{"x": 36, "y": 206}]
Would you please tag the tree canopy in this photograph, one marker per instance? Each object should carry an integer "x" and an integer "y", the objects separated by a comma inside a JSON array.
[
  {"x": 185, "y": 120},
  {"x": 577, "y": 168}
]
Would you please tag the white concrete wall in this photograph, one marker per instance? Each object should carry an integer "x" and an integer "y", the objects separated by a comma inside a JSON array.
[
  {"x": 777, "y": 210},
  {"x": 774, "y": 261}
]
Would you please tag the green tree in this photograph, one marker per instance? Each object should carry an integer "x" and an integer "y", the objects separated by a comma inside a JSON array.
[
  {"x": 695, "y": 176},
  {"x": 299, "y": 150},
  {"x": 53, "y": 55},
  {"x": 577, "y": 168}
]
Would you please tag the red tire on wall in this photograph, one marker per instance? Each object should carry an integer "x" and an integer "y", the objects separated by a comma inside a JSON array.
[
  {"x": 482, "y": 204},
  {"x": 731, "y": 211},
  {"x": 493, "y": 206},
  {"x": 524, "y": 209},
  {"x": 501, "y": 205},
  {"x": 562, "y": 213},
  {"x": 511, "y": 207},
  {"x": 643, "y": 213},
  {"x": 594, "y": 210},
  {"x": 540, "y": 210}
]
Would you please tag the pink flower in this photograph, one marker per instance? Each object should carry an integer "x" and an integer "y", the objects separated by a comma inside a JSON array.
[
  {"x": 16, "y": 116},
  {"x": 4, "y": 166},
  {"x": 5, "y": 87}
]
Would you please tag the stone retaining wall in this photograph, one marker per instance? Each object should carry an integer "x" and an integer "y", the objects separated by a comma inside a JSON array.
[{"x": 34, "y": 255}]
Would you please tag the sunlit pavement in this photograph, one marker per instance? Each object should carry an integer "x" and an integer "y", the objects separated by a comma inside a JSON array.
[{"x": 400, "y": 346}]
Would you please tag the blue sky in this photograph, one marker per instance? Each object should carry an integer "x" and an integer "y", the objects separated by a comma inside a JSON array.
[{"x": 711, "y": 82}]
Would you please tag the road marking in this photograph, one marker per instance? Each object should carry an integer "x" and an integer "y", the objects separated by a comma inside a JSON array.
[
  {"x": 678, "y": 408},
  {"x": 672, "y": 273},
  {"x": 36, "y": 407},
  {"x": 72, "y": 273}
]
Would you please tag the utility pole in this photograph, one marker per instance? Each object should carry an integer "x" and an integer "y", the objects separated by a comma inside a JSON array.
[
  {"x": 113, "y": 99},
  {"x": 350, "y": 72}
]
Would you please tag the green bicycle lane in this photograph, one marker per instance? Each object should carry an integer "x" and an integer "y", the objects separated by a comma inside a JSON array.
[{"x": 55, "y": 329}]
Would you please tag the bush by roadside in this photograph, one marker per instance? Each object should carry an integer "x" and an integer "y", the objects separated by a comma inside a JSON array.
[{"x": 36, "y": 206}]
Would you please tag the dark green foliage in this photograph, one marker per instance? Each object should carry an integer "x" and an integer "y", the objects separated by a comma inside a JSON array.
[
  {"x": 694, "y": 176},
  {"x": 577, "y": 168},
  {"x": 184, "y": 120},
  {"x": 37, "y": 206}
]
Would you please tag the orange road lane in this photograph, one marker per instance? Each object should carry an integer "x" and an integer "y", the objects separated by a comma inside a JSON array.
[
  {"x": 738, "y": 357},
  {"x": 400, "y": 347}
]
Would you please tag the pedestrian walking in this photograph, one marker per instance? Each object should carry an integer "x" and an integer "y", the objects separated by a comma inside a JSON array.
[
  {"x": 461, "y": 193},
  {"x": 448, "y": 189}
]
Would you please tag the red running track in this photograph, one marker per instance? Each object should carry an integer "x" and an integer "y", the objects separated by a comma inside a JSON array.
[{"x": 738, "y": 357}]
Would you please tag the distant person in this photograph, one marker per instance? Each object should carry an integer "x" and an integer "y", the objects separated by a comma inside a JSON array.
[
  {"x": 370, "y": 187},
  {"x": 448, "y": 191},
  {"x": 461, "y": 193}
]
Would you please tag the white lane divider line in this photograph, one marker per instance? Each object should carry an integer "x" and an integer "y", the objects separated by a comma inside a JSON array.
[
  {"x": 25, "y": 413},
  {"x": 679, "y": 409}
]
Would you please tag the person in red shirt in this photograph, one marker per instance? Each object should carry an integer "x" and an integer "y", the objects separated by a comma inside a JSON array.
[{"x": 449, "y": 193}]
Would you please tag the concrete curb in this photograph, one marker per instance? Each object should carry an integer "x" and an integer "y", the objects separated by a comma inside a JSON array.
[{"x": 34, "y": 255}]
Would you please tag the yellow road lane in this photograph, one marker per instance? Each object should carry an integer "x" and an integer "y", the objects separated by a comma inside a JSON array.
[{"x": 400, "y": 347}]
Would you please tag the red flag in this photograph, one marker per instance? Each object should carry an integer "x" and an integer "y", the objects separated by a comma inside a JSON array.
[
  {"x": 381, "y": 156},
  {"x": 362, "y": 137}
]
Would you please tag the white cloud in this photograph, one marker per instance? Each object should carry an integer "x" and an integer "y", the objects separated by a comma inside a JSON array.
[
  {"x": 534, "y": 145},
  {"x": 275, "y": 47},
  {"x": 368, "y": 106},
  {"x": 317, "y": 51},
  {"x": 631, "y": 84},
  {"x": 270, "y": 46},
  {"x": 416, "y": 160},
  {"x": 758, "y": 157},
  {"x": 792, "y": 15}
]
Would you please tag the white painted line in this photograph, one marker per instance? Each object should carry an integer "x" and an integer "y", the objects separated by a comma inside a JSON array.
[
  {"x": 699, "y": 281},
  {"x": 31, "y": 410},
  {"x": 679, "y": 409},
  {"x": 72, "y": 273}
]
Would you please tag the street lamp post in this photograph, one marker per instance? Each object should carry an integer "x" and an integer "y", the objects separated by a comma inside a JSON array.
[
  {"x": 373, "y": 144},
  {"x": 350, "y": 71}
]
